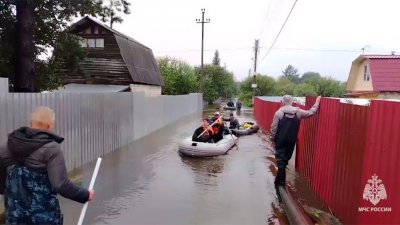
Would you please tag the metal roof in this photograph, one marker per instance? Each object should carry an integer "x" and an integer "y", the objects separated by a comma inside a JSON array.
[
  {"x": 140, "y": 62},
  {"x": 384, "y": 70},
  {"x": 385, "y": 73},
  {"x": 92, "y": 88}
]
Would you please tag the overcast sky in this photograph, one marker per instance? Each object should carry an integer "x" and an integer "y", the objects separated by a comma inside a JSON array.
[{"x": 341, "y": 27}]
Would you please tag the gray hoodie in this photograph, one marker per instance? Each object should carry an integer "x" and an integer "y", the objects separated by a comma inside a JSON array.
[{"x": 300, "y": 113}]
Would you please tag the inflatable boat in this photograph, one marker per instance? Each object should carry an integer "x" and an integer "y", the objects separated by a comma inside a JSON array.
[
  {"x": 246, "y": 129},
  {"x": 229, "y": 108},
  {"x": 201, "y": 149}
]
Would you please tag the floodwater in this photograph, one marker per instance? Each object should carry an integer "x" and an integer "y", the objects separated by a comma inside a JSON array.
[{"x": 148, "y": 182}]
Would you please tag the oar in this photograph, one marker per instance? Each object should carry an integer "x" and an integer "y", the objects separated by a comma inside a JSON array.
[
  {"x": 210, "y": 125},
  {"x": 95, "y": 172}
]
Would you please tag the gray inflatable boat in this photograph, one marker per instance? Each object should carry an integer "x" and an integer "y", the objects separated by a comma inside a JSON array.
[
  {"x": 201, "y": 149},
  {"x": 246, "y": 131}
]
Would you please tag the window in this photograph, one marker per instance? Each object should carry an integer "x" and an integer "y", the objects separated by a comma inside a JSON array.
[
  {"x": 88, "y": 30},
  {"x": 99, "y": 43},
  {"x": 367, "y": 75},
  {"x": 96, "y": 30},
  {"x": 92, "y": 43}
]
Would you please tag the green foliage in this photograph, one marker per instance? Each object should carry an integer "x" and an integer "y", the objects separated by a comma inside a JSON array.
[
  {"x": 310, "y": 84},
  {"x": 67, "y": 54},
  {"x": 216, "y": 60},
  {"x": 265, "y": 86},
  {"x": 49, "y": 70},
  {"x": 308, "y": 76},
  {"x": 179, "y": 77},
  {"x": 68, "y": 51},
  {"x": 218, "y": 83},
  {"x": 284, "y": 87},
  {"x": 210, "y": 92},
  {"x": 328, "y": 87},
  {"x": 292, "y": 74},
  {"x": 305, "y": 89},
  {"x": 113, "y": 10}
]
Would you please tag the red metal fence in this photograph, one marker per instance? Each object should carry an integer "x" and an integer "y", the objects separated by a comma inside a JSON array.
[{"x": 350, "y": 155}]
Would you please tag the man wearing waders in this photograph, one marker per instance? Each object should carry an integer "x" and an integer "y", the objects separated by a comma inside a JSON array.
[{"x": 284, "y": 130}]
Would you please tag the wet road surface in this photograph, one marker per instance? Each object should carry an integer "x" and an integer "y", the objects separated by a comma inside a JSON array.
[{"x": 148, "y": 182}]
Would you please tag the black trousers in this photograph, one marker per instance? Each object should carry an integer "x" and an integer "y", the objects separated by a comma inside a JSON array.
[{"x": 283, "y": 153}]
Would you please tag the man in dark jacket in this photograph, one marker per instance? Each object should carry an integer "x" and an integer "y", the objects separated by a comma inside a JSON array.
[
  {"x": 233, "y": 122},
  {"x": 33, "y": 172},
  {"x": 238, "y": 105},
  {"x": 284, "y": 131}
]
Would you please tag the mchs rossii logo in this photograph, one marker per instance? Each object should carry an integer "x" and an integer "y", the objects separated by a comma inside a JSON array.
[{"x": 374, "y": 192}]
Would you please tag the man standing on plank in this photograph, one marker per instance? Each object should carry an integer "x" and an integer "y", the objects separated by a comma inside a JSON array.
[{"x": 284, "y": 130}]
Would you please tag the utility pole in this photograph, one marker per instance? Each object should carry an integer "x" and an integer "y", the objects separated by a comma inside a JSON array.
[
  {"x": 202, "y": 21},
  {"x": 254, "y": 84},
  {"x": 255, "y": 55}
]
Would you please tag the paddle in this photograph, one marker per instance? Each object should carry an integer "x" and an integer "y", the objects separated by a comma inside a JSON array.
[
  {"x": 210, "y": 126},
  {"x": 95, "y": 172}
]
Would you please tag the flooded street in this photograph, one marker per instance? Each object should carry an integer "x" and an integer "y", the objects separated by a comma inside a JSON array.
[{"x": 148, "y": 182}]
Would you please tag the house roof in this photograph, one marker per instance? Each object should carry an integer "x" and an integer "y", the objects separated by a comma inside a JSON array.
[
  {"x": 138, "y": 58},
  {"x": 384, "y": 70},
  {"x": 92, "y": 88}
]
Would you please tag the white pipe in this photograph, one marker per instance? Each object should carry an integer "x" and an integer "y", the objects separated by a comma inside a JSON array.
[{"x": 95, "y": 172}]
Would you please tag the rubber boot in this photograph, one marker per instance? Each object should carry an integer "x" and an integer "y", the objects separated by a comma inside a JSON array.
[{"x": 280, "y": 179}]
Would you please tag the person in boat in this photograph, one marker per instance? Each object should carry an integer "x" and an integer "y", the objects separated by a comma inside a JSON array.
[
  {"x": 233, "y": 122},
  {"x": 230, "y": 104},
  {"x": 218, "y": 128},
  {"x": 238, "y": 105},
  {"x": 215, "y": 117},
  {"x": 284, "y": 130},
  {"x": 206, "y": 136}
]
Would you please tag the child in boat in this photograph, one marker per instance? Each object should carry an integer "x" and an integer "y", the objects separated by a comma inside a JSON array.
[{"x": 206, "y": 136}]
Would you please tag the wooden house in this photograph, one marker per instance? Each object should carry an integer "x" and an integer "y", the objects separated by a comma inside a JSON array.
[{"x": 113, "y": 59}]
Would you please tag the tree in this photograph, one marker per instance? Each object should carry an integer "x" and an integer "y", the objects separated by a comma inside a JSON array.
[
  {"x": 179, "y": 77},
  {"x": 265, "y": 86},
  {"x": 328, "y": 87},
  {"x": 67, "y": 54},
  {"x": 308, "y": 76},
  {"x": 33, "y": 26},
  {"x": 292, "y": 74},
  {"x": 284, "y": 87},
  {"x": 218, "y": 83},
  {"x": 216, "y": 60},
  {"x": 114, "y": 8},
  {"x": 210, "y": 93},
  {"x": 304, "y": 89}
]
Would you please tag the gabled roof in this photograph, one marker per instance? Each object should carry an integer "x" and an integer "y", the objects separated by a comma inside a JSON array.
[
  {"x": 86, "y": 19},
  {"x": 92, "y": 88},
  {"x": 139, "y": 59},
  {"x": 384, "y": 70}
]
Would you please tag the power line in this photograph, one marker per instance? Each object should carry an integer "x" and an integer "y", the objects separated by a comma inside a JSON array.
[
  {"x": 206, "y": 50},
  {"x": 277, "y": 36},
  {"x": 273, "y": 49},
  {"x": 316, "y": 50},
  {"x": 265, "y": 19}
]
